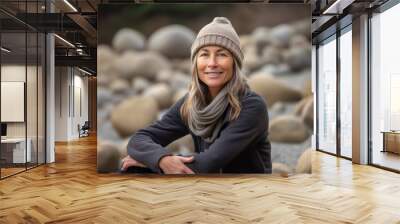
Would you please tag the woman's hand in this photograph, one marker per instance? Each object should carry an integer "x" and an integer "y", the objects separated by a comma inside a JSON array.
[
  {"x": 176, "y": 164},
  {"x": 129, "y": 161}
]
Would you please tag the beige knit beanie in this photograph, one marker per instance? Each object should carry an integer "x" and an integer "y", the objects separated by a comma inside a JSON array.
[{"x": 219, "y": 32}]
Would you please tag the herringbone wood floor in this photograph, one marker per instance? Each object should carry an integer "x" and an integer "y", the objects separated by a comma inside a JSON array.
[{"x": 70, "y": 191}]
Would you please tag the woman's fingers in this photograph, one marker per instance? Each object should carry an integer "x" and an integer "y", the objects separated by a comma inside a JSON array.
[
  {"x": 175, "y": 165},
  {"x": 187, "y": 170},
  {"x": 129, "y": 161},
  {"x": 124, "y": 166},
  {"x": 124, "y": 163},
  {"x": 125, "y": 158},
  {"x": 139, "y": 164},
  {"x": 186, "y": 159}
]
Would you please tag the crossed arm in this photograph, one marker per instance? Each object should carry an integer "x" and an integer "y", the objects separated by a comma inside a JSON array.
[{"x": 147, "y": 147}]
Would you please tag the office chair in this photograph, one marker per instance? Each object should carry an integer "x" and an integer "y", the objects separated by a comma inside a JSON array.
[{"x": 84, "y": 130}]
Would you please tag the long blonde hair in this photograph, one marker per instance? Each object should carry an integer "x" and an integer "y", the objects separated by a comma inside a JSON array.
[{"x": 198, "y": 92}]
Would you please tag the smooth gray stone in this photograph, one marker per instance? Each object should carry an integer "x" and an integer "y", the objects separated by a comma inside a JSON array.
[
  {"x": 173, "y": 41},
  {"x": 128, "y": 39},
  {"x": 287, "y": 153}
]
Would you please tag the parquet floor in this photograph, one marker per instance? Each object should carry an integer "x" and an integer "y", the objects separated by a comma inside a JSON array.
[
  {"x": 387, "y": 159},
  {"x": 9, "y": 171},
  {"x": 71, "y": 191}
]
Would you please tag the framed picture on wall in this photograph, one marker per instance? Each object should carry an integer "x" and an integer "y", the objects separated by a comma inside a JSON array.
[{"x": 12, "y": 101}]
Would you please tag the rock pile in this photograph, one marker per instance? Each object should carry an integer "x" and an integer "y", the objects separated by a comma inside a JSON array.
[{"x": 139, "y": 78}]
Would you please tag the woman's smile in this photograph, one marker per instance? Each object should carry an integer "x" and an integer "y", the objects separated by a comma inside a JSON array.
[{"x": 213, "y": 74}]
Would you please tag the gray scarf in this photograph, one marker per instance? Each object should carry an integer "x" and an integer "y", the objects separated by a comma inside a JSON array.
[{"x": 206, "y": 120}]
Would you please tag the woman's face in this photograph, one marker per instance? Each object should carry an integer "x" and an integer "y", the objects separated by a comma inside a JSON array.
[{"x": 215, "y": 67}]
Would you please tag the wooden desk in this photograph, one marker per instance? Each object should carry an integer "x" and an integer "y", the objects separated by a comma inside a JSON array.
[{"x": 391, "y": 141}]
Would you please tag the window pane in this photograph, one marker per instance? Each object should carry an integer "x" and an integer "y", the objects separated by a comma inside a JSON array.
[
  {"x": 327, "y": 97},
  {"x": 385, "y": 88},
  {"x": 346, "y": 94}
]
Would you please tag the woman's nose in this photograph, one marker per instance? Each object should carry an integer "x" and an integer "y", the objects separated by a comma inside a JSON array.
[{"x": 212, "y": 62}]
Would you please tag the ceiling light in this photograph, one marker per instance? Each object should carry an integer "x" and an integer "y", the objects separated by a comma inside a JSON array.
[
  {"x": 337, "y": 7},
  {"x": 64, "y": 40},
  {"x": 70, "y": 5},
  {"x": 5, "y": 49},
  {"x": 84, "y": 71}
]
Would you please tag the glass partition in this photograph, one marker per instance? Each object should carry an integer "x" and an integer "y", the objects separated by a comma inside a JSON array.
[
  {"x": 33, "y": 86},
  {"x": 14, "y": 152},
  {"x": 22, "y": 87},
  {"x": 41, "y": 91},
  {"x": 31, "y": 99}
]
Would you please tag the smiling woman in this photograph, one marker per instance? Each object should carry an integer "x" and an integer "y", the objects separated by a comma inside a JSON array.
[
  {"x": 214, "y": 67},
  {"x": 227, "y": 121}
]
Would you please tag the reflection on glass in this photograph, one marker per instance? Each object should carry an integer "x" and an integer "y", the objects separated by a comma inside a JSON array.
[
  {"x": 346, "y": 94},
  {"x": 23, "y": 91},
  {"x": 327, "y": 97}
]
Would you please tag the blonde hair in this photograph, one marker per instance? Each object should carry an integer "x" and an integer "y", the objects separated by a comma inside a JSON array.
[{"x": 198, "y": 92}]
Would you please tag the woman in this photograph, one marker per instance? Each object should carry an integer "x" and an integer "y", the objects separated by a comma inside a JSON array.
[{"x": 227, "y": 121}]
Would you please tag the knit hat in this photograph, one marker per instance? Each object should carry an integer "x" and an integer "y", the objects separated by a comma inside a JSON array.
[{"x": 219, "y": 32}]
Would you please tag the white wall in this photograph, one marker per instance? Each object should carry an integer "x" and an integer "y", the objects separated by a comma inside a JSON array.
[
  {"x": 62, "y": 81},
  {"x": 81, "y": 100},
  {"x": 71, "y": 93}
]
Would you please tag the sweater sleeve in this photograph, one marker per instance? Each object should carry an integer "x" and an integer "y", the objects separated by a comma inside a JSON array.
[
  {"x": 148, "y": 145},
  {"x": 236, "y": 137}
]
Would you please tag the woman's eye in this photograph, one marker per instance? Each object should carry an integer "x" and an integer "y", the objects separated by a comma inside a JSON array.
[
  {"x": 222, "y": 54},
  {"x": 203, "y": 54}
]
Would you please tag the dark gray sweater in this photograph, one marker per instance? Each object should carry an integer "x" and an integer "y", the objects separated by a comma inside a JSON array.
[{"x": 241, "y": 147}]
